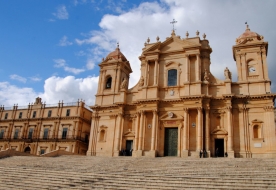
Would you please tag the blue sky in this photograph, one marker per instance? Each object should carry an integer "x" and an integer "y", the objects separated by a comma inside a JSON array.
[{"x": 51, "y": 48}]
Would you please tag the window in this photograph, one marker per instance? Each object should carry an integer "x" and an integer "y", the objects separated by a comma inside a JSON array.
[
  {"x": 102, "y": 135},
  {"x": 108, "y": 83},
  {"x": 42, "y": 151},
  {"x": 16, "y": 134},
  {"x": 30, "y": 135},
  {"x": 45, "y": 134},
  {"x": 34, "y": 114},
  {"x": 2, "y": 133},
  {"x": 49, "y": 113},
  {"x": 257, "y": 131},
  {"x": 20, "y": 115},
  {"x": 64, "y": 133},
  {"x": 172, "y": 77},
  {"x": 68, "y": 112},
  {"x": 6, "y": 115}
]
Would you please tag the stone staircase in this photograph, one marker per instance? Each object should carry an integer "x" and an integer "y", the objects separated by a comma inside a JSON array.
[{"x": 81, "y": 172}]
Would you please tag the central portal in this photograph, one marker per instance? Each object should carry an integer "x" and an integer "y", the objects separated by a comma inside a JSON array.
[
  {"x": 219, "y": 147},
  {"x": 171, "y": 140}
]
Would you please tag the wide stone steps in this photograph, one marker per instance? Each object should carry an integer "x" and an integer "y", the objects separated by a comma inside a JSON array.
[{"x": 76, "y": 172}]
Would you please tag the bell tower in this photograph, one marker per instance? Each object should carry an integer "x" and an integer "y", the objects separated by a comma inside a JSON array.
[
  {"x": 114, "y": 75},
  {"x": 250, "y": 54}
]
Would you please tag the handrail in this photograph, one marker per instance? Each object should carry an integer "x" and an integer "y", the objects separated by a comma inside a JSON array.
[{"x": 53, "y": 138}]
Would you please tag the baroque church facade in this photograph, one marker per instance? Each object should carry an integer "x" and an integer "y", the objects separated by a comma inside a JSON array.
[{"x": 178, "y": 108}]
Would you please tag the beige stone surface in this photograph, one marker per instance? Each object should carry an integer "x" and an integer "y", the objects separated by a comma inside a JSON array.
[
  {"x": 40, "y": 128},
  {"x": 82, "y": 172},
  {"x": 203, "y": 112}
]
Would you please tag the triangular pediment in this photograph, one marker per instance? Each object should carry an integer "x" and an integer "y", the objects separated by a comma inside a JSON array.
[
  {"x": 129, "y": 134},
  {"x": 171, "y": 116},
  {"x": 219, "y": 131},
  {"x": 171, "y": 44}
]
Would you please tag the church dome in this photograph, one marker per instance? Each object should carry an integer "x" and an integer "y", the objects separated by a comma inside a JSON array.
[
  {"x": 117, "y": 54},
  {"x": 248, "y": 36}
]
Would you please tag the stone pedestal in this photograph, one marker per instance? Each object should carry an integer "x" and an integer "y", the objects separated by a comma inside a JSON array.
[
  {"x": 116, "y": 153},
  {"x": 152, "y": 153},
  {"x": 231, "y": 154},
  {"x": 137, "y": 153},
  {"x": 184, "y": 154}
]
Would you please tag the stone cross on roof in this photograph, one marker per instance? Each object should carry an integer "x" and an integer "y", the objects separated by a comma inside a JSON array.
[{"x": 173, "y": 22}]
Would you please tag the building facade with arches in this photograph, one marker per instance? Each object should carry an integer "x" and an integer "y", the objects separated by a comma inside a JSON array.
[
  {"x": 41, "y": 128},
  {"x": 179, "y": 108}
]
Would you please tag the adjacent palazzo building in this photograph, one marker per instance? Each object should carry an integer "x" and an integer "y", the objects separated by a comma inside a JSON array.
[
  {"x": 41, "y": 128},
  {"x": 179, "y": 108}
]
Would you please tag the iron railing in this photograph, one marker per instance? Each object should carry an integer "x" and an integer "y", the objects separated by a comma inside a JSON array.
[{"x": 48, "y": 139}]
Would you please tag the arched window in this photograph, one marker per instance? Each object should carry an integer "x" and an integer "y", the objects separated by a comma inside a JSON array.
[
  {"x": 257, "y": 131},
  {"x": 102, "y": 135},
  {"x": 108, "y": 83},
  {"x": 172, "y": 77}
]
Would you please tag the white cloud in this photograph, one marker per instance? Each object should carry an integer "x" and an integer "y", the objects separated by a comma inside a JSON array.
[
  {"x": 68, "y": 89},
  {"x": 73, "y": 70},
  {"x": 76, "y": 2},
  {"x": 18, "y": 78},
  {"x": 80, "y": 53},
  {"x": 90, "y": 64},
  {"x": 222, "y": 21},
  {"x": 62, "y": 63},
  {"x": 64, "y": 41},
  {"x": 11, "y": 94},
  {"x": 35, "y": 78},
  {"x": 59, "y": 63},
  {"x": 61, "y": 13}
]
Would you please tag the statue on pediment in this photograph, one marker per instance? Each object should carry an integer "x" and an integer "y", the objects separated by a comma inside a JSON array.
[{"x": 124, "y": 84}]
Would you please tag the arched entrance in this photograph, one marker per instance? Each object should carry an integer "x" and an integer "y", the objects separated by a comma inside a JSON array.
[
  {"x": 27, "y": 150},
  {"x": 219, "y": 142}
]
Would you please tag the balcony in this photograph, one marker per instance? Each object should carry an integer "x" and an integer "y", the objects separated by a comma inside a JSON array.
[{"x": 59, "y": 138}]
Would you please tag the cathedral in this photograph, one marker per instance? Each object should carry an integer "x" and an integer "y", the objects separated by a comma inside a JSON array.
[{"x": 179, "y": 108}]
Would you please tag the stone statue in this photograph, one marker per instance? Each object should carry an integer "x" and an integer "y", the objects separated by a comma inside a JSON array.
[
  {"x": 124, "y": 84},
  {"x": 141, "y": 82},
  {"x": 37, "y": 101},
  {"x": 227, "y": 74},
  {"x": 206, "y": 75}
]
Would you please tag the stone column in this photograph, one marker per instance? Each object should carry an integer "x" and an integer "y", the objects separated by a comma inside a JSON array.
[
  {"x": 207, "y": 131},
  {"x": 137, "y": 131},
  {"x": 187, "y": 78},
  {"x": 244, "y": 67},
  {"x": 93, "y": 136},
  {"x": 146, "y": 74},
  {"x": 230, "y": 150},
  {"x": 76, "y": 128},
  {"x": 118, "y": 131},
  {"x": 238, "y": 60},
  {"x": 153, "y": 132},
  {"x": 185, "y": 134},
  {"x": 155, "y": 72},
  {"x": 139, "y": 152},
  {"x": 265, "y": 70},
  {"x": 199, "y": 129},
  {"x": 198, "y": 66},
  {"x": 261, "y": 74}
]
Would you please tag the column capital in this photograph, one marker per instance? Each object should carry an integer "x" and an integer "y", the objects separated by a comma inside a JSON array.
[
  {"x": 199, "y": 108},
  {"x": 269, "y": 108},
  {"x": 142, "y": 112},
  {"x": 154, "y": 111},
  {"x": 186, "y": 109},
  {"x": 228, "y": 108}
]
